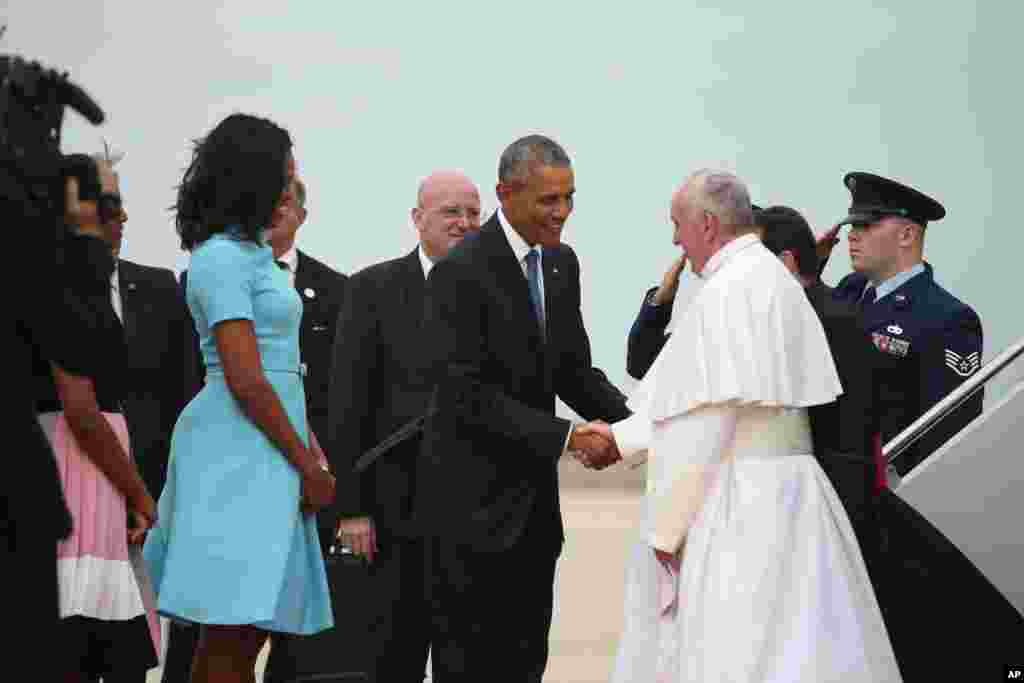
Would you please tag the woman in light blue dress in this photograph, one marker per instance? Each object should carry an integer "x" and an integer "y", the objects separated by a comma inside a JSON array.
[{"x": 236, "y": 548}]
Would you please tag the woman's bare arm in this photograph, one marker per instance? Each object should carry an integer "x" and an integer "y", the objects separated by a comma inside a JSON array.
[
  {"x": 98, "y": 440},
  {"x": 243, "y": 370}
]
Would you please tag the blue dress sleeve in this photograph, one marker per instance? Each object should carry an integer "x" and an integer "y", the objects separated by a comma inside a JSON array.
[{"x": 220, "y": 281}]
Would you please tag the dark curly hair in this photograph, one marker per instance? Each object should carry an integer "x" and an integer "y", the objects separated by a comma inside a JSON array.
[
  {"x": 237, "y": 175},
  {"x": 785, "y": 229}
]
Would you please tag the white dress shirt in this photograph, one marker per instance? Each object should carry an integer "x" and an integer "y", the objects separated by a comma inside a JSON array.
[
  {"x": 115, "y": 291},
  {"x": 424, "y": 261},
  {"x": 291, "y": 259}
]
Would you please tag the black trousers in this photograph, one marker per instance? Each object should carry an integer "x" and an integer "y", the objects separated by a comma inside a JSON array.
[
  {"x": 491, "y": 611},
  {"x": 404, "y": 634},
  {"x": 29, "y": 561}
]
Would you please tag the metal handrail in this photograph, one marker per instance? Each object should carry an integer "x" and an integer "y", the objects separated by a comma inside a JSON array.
[{"x": 919, "y": 427}]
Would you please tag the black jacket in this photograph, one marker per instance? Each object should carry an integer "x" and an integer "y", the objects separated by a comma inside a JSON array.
[
  {"x": 322, "y": 290},
  {"x": 377, "y": 385},
  {"x": 488, "y": 468},
  {"x": 161, "y": 369}
]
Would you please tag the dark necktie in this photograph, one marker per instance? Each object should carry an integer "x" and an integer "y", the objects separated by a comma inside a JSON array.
[
  {"x": 536, "y": 296},
  {"x": 867, "y": 298}
]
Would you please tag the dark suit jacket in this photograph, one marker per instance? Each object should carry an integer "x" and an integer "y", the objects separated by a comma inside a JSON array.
[
  {"x": 843, "y": 431},
  {"x": 377, "y": 385},
  {"x": 849, "y": 424},
  {"x": 927, "y": 342},
  {"x": 488, "y": 472},
  {"x": 322, "y": 290},
  {"x": 161, "y": 368}
]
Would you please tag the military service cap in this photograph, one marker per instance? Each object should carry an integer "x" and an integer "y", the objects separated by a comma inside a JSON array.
[{"x": 875, "y": 197}]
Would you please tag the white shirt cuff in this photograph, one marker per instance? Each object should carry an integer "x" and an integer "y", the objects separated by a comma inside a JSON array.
[
  {"x": 568, "y": 436},
  {"x": 633, "y": 438}
]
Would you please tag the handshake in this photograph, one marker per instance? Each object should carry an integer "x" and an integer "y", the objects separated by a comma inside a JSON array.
[{"x": 593, "y": 445}]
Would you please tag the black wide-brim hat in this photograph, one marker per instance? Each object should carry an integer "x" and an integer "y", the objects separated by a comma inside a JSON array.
[{"x": 875, "y": 197}]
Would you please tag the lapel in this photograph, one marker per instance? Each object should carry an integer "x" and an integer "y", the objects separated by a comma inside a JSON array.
[
  {"x": 304, "y": 279},
  {"x": 501, "y": 261},
  {"x": 128, "y": 288},
  {"x": 554, "y": 284},
  {"x": 411, "y": 288}
]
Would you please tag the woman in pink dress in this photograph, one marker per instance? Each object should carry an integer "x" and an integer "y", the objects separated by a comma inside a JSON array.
[{"x": 105, "y": 629}]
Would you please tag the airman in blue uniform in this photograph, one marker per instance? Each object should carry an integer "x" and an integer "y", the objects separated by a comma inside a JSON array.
[{"x": 927, "y": 341}]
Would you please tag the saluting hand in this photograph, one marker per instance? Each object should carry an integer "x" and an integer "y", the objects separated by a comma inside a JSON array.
[
  {"x": 826, "y": 243},
  {"x": 670, "y": 282}
]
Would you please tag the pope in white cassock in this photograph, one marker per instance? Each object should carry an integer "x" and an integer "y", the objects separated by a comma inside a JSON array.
[{"x": 755, "y": 573}]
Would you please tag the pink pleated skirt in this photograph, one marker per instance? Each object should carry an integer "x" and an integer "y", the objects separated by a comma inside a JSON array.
[{"x": 96, "y": 575}]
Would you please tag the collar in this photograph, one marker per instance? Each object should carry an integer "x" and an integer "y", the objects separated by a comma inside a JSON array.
[
  {"x": 897, "y": 281},
  {"x": 115, "y": 278},
  {"x": 519, "y": 246},
  {"x": 291, "y": 257},
  {"x": 425, "y": 261},
  {"x": 723, "y": 255}
]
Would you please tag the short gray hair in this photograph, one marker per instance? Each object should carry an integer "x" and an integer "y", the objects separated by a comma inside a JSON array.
[
  {"x": 722, "y": 194},
  {"x": 519, "y": 159}
]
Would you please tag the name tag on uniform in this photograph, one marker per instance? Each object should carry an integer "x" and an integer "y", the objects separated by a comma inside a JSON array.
[{"x": 887, "y": 344}]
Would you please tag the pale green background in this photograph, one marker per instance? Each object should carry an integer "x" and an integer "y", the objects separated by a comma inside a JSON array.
[{"x": 790, "y": 95}]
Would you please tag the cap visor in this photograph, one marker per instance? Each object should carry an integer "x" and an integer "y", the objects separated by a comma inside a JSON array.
[{"x": 859, "y": 219}]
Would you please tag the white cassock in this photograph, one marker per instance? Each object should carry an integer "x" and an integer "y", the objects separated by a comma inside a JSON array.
[{"x": 772, "y": 586}]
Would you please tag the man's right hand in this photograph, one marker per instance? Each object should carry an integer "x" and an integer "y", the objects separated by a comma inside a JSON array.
[
  {"x": 594, "y": 445},
  {"x": 670, "y": 283},
  {"x": 359, "y": 535},
  {"x": 826, "y": 243}
]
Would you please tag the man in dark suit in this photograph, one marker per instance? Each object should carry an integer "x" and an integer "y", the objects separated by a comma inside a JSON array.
[
  {"x": 505, "y": 333},
  {"x": 377, "y": 385},
  {"x": 322, "y": 290},
  {"x": 161, "y": 368},
  {"x": 911, "y": 563},
  {"x": 927, "y": 341}
]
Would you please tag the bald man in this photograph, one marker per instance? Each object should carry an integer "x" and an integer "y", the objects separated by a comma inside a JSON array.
[{"x": 377, "y": 386}]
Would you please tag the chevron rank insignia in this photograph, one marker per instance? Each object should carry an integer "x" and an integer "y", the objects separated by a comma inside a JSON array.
[{"x": 965, "y": 366}]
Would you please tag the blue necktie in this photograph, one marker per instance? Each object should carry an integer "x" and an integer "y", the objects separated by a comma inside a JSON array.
[{"x": 536, "y": 296}]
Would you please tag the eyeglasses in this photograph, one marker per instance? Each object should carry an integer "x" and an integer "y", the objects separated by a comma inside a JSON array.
[{"x": 458, "y": 212}]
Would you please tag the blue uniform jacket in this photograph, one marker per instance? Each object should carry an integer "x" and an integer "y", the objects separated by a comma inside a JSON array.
[{"x": 927, "y": 342}]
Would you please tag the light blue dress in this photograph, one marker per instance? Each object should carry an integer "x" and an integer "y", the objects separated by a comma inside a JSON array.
[{"x": 231, "y": 545}]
